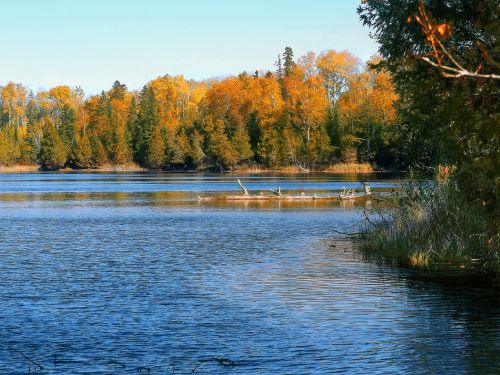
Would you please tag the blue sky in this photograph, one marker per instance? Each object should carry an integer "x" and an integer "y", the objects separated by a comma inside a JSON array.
[{"x": 91, "y": 43}]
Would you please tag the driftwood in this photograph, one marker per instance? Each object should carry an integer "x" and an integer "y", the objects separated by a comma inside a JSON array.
[
  {"x": 277, "y": 195},
  {"x": 351, "y": 194},
  {"x": 368, "y": 189},
  {"x": 277, "y": 191},
  {"x": 244, "y": 189},
  {"x": 354, "y": 197}
]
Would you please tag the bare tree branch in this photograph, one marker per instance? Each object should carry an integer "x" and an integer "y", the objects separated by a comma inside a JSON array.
[
  {"x": 458, "y": 72},
  {"x": 435, "y": 34}
]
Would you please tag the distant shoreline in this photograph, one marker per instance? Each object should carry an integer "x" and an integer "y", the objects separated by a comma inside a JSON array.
[{"x": 340, "y": 168}]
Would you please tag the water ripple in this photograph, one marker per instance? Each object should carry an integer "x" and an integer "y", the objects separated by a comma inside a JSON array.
[{"x": 150, "y": 286}]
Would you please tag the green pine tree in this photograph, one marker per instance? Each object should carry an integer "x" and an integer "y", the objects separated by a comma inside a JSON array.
[
  {"x": 254, "y": 132},
  {"x": 147, "y": 120},
  {"x": 241, "y": 144},
  {"x": 99, "y": 154},
  {"x": 118, "y": 148},
  {"x": 53, "y": 152},
  {"x": 81, "y": 153},
  {"x": 156, "y": 150},
  {"x": 220, "y": 148},
  {"x": 67, "y": 125},
  {"x": 288, "y": 62},
  {"x": 333, "y": 131},
  {"x": 269, "y": 148},
  {"x": 118, "y": 90},
  {"x": 197, "y": 154},
  {"x": 131, "y": 123},
  {"x": 176, "y": 147}
]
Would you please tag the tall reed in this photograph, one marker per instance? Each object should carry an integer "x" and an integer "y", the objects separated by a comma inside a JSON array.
[{"x": 432, "y": 226}]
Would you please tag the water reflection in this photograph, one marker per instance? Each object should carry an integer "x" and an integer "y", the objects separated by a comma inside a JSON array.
[
  {"x": 150, "y": 182},
  {"x": 466, "y": 319}
]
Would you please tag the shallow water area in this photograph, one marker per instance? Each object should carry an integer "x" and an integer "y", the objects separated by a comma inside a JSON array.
[{"x": 102, "y": 271}]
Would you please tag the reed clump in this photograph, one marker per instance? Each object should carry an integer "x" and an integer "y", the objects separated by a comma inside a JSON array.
[
  {"x": 431, "y": 226},
  {"x": 350, "y": 168}
]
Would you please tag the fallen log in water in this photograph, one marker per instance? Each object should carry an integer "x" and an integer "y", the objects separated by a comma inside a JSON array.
[
  {"x": 267, "y": 198},
  {"x": 277, "y": 195}
]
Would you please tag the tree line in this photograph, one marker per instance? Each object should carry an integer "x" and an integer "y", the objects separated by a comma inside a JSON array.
[{"x": 310, "y": 112}]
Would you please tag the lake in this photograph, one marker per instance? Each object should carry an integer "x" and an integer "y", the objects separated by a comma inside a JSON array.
[{"x": 128, "y": 272}]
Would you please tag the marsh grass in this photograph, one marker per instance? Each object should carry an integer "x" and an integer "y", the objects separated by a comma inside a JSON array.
[{"x": 430, "y": 226}]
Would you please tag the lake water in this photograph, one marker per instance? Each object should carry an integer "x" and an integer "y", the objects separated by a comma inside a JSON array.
[{"x": 102, "y": 271}]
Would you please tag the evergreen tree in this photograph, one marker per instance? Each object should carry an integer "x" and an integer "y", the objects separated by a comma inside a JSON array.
[
  {"x": 99, "y": 154},
  {"x": 156, "y": 150},
  {"x": 348, "y": 150},
  {"x": 288, "y": 62},
  {"x": 241, "y": 144},
  {"x": 147, "y": 120},
  {"x": 119, "y": 151},
  {"x": 106, "y": 123},
  {"x": 67, "y": 125},
  {"x": 131, "y": 123},
  {"x": 279, "y": 68},
  {"x": 81, "y": 153},
  {"x": 449, "y": 119},
  {"x": 254, "y": 132},
  {"x": 319, "y": 147},
  {"x": 220, "y": 147},
  {"x": 197, "y": 154},
  {"x": 280, "y": 76},
  {"x": 333, "y": 130},
  {"x": 176, "y": 146},
  {"x": 53, "y": 152},
  {"x": 118, "y": 90},
  {"x": 290, "y": 144},
  {"x": 32, "y": 110},
  {"x": 270, "y": 148}
]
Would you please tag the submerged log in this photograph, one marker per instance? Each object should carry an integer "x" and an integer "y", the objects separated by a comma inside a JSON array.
[
  {"x": 354, "y": 197},
  {"x": 277, "y": 195},
  {"x": 267, "y": 198}
]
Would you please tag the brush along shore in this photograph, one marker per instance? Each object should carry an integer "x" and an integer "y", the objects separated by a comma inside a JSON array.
[{"x": 434, "y": 229}]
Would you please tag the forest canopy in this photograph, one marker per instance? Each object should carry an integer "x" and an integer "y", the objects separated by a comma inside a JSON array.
[{"x": 310, "y": 112}]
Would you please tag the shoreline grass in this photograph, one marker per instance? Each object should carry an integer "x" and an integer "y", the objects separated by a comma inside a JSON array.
[
  {"x": 339, "y": 168},
  {"x": 430, "y": 227}
]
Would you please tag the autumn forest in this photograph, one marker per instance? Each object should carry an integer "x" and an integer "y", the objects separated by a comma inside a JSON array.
[{"x": 309, "y": 113}]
